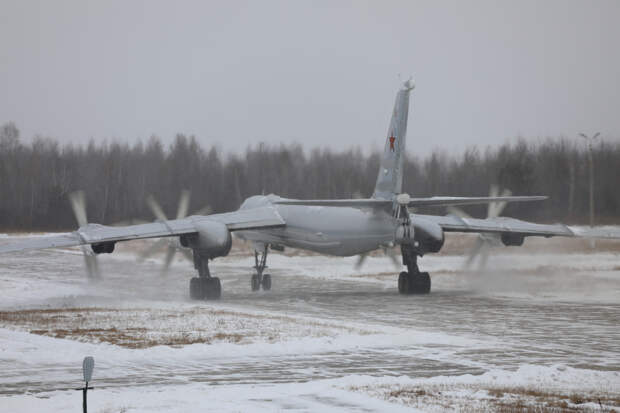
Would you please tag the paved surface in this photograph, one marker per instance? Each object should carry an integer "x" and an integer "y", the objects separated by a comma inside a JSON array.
[{"x": 469, "y": 324}]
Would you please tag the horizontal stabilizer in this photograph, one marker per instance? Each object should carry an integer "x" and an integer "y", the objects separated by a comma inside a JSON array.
[
  {"x": 436, "y": 201},
  {"x": 440, "y": 201}
]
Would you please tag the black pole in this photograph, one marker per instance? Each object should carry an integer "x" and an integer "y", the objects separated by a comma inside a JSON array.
[{"x": 84, "y": 390}]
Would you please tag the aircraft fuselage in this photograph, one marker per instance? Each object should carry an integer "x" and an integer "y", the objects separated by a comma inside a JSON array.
[{"x": 326, "y": 230}]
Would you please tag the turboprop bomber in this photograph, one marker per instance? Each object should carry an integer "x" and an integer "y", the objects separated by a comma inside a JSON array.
[{"x": 341, "y": 227}]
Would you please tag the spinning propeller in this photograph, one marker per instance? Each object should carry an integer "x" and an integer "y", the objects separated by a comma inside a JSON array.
[
  {"x": 78, "y": 204},
  {"x": 388, "y": 251},
  {"x": 484, "y": 241},
  {"x": 172, "y": 243},
  {"x": 403, "y": 224}
]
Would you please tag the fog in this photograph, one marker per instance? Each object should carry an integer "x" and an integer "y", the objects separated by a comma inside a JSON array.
[{"x": 318, "y": 73}]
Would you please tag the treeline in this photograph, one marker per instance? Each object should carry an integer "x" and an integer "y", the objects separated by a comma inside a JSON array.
[{"x": 37, "y": 177}]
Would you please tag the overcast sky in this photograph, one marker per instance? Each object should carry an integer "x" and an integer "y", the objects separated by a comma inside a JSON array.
[{"x": 234, "y": 73}]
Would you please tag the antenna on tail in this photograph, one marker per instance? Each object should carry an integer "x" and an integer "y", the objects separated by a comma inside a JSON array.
[{"x": 409, "y": 84}]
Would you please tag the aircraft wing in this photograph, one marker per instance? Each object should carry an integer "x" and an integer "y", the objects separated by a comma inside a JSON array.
[
  {"x": 452, "y": 223},
  {"x": 412, "y": 202},
  {"x": 265, "y": 217}
]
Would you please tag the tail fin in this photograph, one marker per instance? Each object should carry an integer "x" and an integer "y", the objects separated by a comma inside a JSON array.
[{"x": 390, "y": 178}]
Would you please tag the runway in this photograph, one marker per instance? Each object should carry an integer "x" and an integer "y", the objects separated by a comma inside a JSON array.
[{"x": 326, "y": 336}]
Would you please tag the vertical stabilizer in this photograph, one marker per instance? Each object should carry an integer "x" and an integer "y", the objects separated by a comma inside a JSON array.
[{"x": 390, "y": 178}]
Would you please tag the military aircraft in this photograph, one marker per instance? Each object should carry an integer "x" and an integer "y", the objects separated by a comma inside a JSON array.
[{"x": 341, "y": 227}]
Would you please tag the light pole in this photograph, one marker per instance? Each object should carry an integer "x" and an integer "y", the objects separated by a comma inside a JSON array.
[{"x": 589, "y": 142}]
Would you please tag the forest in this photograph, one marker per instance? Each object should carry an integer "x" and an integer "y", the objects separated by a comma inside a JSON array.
[{"x": 37, "y": 176}]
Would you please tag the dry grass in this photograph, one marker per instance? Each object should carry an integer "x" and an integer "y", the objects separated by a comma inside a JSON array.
[
  {"x": 169, "y": 327},
  {"x": 48, "y": 322},
  {"x": 408, "y": 393},
  {"x": 136, "y": 337},
  {"x": 552, "y": 401},
  {"x": 498, "y": 399}
]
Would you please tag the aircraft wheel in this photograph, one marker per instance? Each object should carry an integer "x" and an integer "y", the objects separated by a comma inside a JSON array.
[
  {"x": 426, "y": 282},
  {"x": 254, "y": 282},
  {"x": 214, "y": 288},
  {"x": 266, "y": 282},
  {"x": 403, "y": 282},
  {"x": 419, "y": 283},
  {"x": 196, "y": 289}
]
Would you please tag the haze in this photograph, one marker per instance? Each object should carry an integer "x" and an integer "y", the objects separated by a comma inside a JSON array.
[{"x": 319, "y": 73}]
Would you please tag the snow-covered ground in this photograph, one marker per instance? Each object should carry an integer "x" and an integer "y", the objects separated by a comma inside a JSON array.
[{"x": 538, "y": 327}]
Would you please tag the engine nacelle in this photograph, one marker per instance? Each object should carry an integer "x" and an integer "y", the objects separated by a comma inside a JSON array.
[
  {"x": 103, "y": 247},
  {"x": 212, "y": 239},
  {"x": 511, "y": 239},
  {"x": 429, "y": 235}
]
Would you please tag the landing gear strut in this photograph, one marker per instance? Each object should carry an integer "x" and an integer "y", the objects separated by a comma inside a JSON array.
[
  {"x": 260, "y": 263},
  {"x": 204, "y": 286},
  {"x": 412, "y": 281}
]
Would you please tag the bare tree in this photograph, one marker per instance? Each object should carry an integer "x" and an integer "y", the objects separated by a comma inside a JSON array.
[{"x": 36, "y": 177}]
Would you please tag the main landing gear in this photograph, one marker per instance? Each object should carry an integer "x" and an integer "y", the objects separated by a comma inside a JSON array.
[
  {"x": 258, "y": 278},
  {"x": 207, "y": 287},
  {"x": 204, "y": 286},
  {"x": 412, "y": 281}
]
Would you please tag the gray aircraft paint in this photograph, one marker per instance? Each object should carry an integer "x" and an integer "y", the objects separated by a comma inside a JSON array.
[
  {"x": 327, "y": 230},
  {"x": 344, "y": 231},
  {"x": 335, "y": 227},
  {"x": 390, "y": 177}
]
